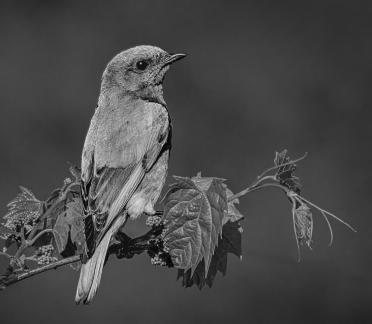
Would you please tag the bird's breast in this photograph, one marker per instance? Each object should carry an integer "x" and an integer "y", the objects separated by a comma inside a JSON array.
[{"x": 125, "y": 130}]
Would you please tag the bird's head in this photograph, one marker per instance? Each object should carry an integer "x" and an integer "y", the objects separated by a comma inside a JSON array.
[{"x": 139, "y": 72}]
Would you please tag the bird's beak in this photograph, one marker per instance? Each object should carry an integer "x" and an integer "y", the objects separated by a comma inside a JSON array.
[{"x": 173, "y": 58}]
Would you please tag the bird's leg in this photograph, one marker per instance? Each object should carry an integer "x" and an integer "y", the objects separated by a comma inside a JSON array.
[{"x": 127, "y": 247}]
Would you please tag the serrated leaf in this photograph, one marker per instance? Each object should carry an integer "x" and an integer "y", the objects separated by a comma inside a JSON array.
[
  {"x": 193, "y": 213},
  {"x": 230, "y": 242},
  {"x": 216, "y": 194}
]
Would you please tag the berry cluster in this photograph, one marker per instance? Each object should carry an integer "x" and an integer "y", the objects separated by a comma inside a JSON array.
[
  {"x": 153, "y": 221},
  {"x": 44, "y": 255},
  {"x": 157, "y": 260}
]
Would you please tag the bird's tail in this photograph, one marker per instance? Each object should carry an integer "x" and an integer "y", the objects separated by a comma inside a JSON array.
[{"x": 91, "y": 272}]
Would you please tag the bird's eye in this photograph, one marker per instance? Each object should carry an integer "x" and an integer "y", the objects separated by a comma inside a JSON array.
[{"x": 142, "y": 65}]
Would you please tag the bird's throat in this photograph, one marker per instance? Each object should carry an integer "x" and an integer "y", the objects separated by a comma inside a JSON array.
[{"x": 152, "y": 93}]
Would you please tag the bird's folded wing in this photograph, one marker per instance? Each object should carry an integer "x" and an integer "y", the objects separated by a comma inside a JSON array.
[{"x": 107, "y": 189}]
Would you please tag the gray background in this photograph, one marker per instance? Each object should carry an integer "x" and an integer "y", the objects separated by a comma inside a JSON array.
[{"x": 261, "y": 76}]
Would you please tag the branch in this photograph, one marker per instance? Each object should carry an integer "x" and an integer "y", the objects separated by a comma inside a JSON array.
[
  {"x": 152, "y": 242},
  {"x": 12, "y": 278},
  {"x": 122, "y": 247}
]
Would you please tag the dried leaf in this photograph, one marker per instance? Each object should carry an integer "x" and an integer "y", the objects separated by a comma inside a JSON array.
[
  {"x": 303, "y": 220},
  {"x": 285, "y": 173}
]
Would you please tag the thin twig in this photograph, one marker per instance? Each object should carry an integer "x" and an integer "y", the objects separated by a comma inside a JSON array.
[
  {"x": 328, "y": 213},
  {"x": 282, "y": 165},
  {"x": 261, "y": 178},
  {"x": 54, "y": 265},
  {"x": 254, "y": 188},
  {"x": 329, "y": 227}
]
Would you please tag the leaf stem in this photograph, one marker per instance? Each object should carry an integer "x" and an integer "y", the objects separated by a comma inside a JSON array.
[{"x": 329, "y": 227}]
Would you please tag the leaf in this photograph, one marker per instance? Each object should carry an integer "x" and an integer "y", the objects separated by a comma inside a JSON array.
[
  {"x": 75, "y": 172},
  {"x": 233, "y": 214},
  {"x": 303, "y": 221},
  {"x": 7, "y": 277},
  {"x": 69, "y": 225},
  {"x": 61, "y": 232},
  {"x": 75, "y": 212},
  {"x": 230, "y": 242},
  {"x": 23, "y": 210},
  {"x": 193, "y": 213},
  {"x": 285, "y": 173}
]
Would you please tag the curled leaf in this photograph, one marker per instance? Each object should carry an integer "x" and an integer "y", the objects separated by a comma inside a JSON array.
[
  {"x": 285, "y": 171},
  {"x": 303, "y": 223}
]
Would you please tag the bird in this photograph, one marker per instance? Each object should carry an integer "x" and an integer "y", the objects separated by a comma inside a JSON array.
[{"x": 125, "y": 156}]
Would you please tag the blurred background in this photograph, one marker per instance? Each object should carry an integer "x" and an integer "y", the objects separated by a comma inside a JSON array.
[{"x": 261, "y": 76}]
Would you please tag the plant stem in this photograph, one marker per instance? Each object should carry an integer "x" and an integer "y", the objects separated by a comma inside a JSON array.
[
  {"x": 257, "y": 187},
  {"x": 32, "y": 242},
  {"x": 328, "y": 213}
]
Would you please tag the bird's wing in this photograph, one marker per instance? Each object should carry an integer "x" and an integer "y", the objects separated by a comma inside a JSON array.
[{"x": 114, "y": 164}]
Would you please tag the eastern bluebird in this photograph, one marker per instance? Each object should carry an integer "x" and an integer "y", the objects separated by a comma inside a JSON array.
[{"x": 125, "y": 156}]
